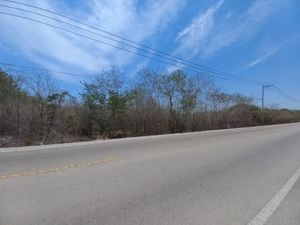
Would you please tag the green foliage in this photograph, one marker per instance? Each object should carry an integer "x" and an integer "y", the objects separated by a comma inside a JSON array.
[
  {"x": 9, "y": 86},
  {"x": 107, "y": 102}
]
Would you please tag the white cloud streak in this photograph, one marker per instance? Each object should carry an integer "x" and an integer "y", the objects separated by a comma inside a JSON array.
[
  {"x": 47, "y": 46},
  {"x": 196, "y": 34},
  {"x": 245, "y": 27},
  {"x": 213, "y": 37},
  {"x": 264, "y": 57},
  {"x": 268, "y": 51}
]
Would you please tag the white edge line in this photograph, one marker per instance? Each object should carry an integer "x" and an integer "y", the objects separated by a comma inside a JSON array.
[{"x": 263, "y": 216}]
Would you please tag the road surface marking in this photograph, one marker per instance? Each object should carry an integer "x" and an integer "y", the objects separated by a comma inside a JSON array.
[
  {"x": 59, "y": 169},
  {"x": 263, "y": 216}
]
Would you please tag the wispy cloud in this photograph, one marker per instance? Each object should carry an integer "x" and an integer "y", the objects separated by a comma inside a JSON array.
[
  {"x": 261, "y": 59},
  {"x": 267, "y": 51},
  {"x": 195, "y": 35},
  {"x": 208, "y": 36},
  {"x": 50, "y": 47},
  {"x": 243, "y": 27}
]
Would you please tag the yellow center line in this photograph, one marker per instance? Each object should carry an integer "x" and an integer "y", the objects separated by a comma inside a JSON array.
[{"x": 59, "y": 169}]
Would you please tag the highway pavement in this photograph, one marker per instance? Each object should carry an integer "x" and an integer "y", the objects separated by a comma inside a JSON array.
[{"x": 247, "y": 176}]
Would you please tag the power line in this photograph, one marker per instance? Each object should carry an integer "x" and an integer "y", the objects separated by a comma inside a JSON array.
[
  {"x": 121, "y": 48},
  {"x": 60, "y": 21},
  {"x": 147, "y": 51},
  {"x": 283, "y": 94},
  {"x": 272, "y": 88},
  {"x": 211, "y": 72},
  {"x": 141, "y": 47}
]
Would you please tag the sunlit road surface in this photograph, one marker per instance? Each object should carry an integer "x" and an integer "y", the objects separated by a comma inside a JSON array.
[{"x": 226, "y": 177}]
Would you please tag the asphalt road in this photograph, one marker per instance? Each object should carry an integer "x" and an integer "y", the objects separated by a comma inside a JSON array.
[{"x": 226, "y": 177}]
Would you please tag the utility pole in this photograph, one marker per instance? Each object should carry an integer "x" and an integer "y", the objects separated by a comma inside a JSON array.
[{"x": 264, "y": 87}]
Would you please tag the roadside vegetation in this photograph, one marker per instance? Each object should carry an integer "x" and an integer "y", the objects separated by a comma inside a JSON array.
[{"x": 34, "y": 111}]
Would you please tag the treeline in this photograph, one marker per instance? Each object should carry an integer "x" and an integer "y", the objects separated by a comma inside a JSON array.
[{"x": 34, "y": 111}]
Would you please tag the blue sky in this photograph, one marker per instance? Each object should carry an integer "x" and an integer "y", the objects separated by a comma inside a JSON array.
[{"x": 257, "y": 39}]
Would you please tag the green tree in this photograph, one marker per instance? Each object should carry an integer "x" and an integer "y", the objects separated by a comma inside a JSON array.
[{"x": 108, "y": 102}]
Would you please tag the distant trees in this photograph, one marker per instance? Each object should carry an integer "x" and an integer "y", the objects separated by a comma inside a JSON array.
[{"x": 34, "y": 111}]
